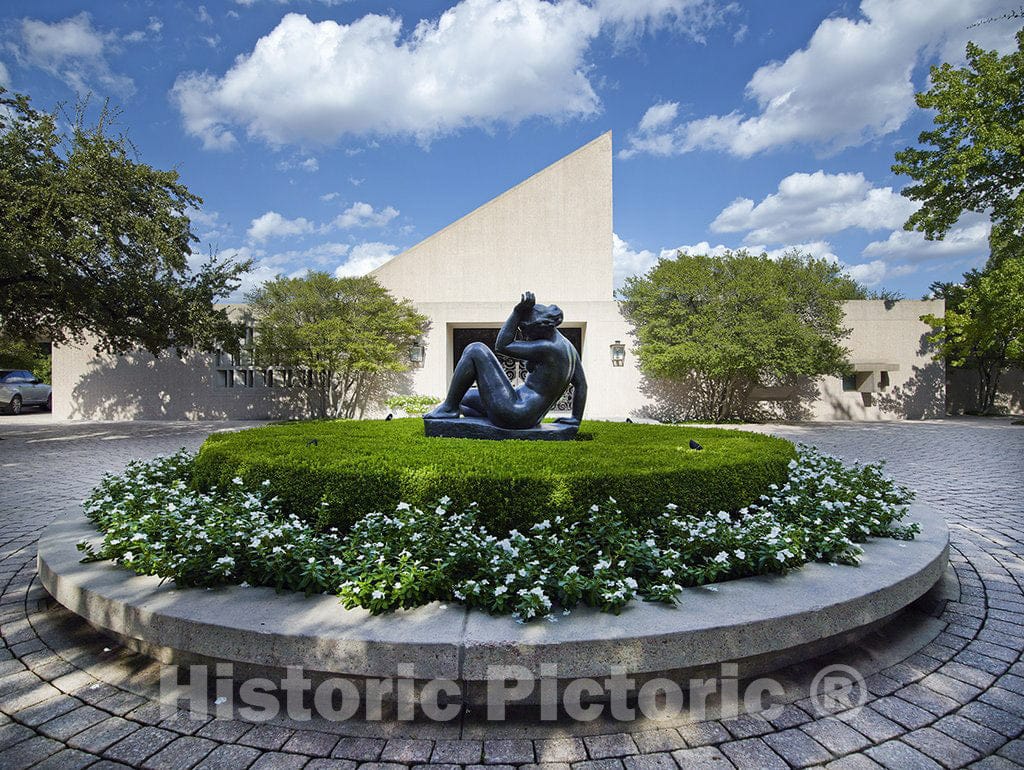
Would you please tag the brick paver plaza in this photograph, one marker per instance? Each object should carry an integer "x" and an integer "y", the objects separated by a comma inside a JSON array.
[{"x": 70, "y": 698}]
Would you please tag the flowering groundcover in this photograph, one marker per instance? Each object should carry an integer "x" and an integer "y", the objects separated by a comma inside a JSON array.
[{"x": 155, "y": 522}]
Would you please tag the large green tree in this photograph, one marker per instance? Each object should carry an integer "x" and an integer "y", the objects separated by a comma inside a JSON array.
[
  {"x": 96, "y": 242},
  {"x": 724, "y": 325},
  {"x": 349, "y": 334},
  {"x": 973, "y": 160},
  {"x": 983, "y": 325}
]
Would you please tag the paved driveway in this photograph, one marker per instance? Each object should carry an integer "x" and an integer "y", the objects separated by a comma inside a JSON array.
[{"x": 957, "y": 701}]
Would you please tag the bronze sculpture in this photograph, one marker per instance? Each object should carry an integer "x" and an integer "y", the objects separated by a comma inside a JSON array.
[{"x": 552, "y": 364}]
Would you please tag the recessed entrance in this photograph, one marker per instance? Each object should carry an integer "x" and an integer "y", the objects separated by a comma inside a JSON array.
[{"x": 514, "y": 369}]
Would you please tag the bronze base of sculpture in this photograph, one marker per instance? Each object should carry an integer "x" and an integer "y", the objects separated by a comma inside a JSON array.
[{"x": 473, "y": 427}]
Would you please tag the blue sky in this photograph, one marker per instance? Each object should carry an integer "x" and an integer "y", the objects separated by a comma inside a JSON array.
[{"x": 331, "y": 134}]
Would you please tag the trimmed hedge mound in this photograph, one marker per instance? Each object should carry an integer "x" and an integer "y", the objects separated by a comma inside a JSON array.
[{"x": 336, "y": 472}]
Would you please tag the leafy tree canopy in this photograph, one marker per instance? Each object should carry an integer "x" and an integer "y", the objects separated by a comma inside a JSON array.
[
  {"x": 349, "y": 333},
  {"x": 737, "y": 321},
  {"x": 97, "y": 242},
  {"x": 974, "y": 160},
  {"x": 983, "y": 326}
]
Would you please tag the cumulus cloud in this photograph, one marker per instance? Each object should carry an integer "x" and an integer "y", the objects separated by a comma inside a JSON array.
[
  {"x": 361, "y": 214},
  {"x": 74, "y": 51},
  {"x": 851, "y": 83},
  {"x": 627, "y": 261},
  {"x": 273, "y": 225},
  {"x": 812, "y": 205},
  {"x": 480, "y": 63},
  {"x": 366, "y": 257},
  {"x": 968, "y": 238}
]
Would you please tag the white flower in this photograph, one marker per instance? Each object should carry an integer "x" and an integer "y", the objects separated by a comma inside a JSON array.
[
  {"x": 237, "y": 480},
  {"x": 498, "y": 591},
  {"x": 722, "y": 557},
  {"x": 740, "y": 554},
  {"x": 378, "y": 594}
]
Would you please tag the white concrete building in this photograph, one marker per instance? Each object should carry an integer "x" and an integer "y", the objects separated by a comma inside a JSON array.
[{"x": 552, "y": 235}]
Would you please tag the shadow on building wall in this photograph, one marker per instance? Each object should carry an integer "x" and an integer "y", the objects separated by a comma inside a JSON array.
[
  {"x": 678, "y": 401},
  {"x": 923, "y": 395},
  {"x": 962, "y": 391},
  {"x": 137, "y": 386}
]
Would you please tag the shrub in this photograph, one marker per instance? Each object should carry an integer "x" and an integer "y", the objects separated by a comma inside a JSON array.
[
  {"x": 414, "y": 404},
  {"x": 154, "y": 523},
  {"x": 334, "y": 473}
]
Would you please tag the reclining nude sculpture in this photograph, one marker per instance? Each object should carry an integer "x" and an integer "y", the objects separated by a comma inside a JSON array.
[{"x": 494, "y": 408}]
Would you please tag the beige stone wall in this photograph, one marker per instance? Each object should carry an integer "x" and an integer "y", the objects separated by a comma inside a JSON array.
[
  {"x": 551, "y": 234},
  {"x": 888, "y": 332}
]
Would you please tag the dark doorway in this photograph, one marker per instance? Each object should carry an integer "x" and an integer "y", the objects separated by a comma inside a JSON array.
[{"x": 514, "y": 369}]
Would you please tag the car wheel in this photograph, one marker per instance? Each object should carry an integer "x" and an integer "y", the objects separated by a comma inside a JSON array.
[
  {"x": 15, "y": 406},
  {"x": 48, "y": 406}
]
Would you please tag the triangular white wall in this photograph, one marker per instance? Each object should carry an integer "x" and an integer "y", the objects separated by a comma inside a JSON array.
[{"x": 551, "y": 234}]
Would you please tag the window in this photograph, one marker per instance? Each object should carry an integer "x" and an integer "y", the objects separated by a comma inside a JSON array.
[
  {"x": 235, "y": 370},
  {"x": 849, "y": 382}
]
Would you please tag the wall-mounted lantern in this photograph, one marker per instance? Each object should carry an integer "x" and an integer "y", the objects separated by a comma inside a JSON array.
[
  {"x": 416, "y": 355},
  {"x": 618, "y": 353}
]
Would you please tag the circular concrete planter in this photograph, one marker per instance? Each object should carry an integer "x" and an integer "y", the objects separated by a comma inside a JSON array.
[{"x": 761, "y": 623}]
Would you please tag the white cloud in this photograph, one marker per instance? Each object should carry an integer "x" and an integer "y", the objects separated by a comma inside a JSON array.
[
  {"x": 968, "y": 238},
  {"x": 658, "y": 116},
  {"x": 629, "y": 19},
  {"x": 328, "y": 197},
  {"x": 151, "y": 32},
  {"x": 250, "y": 3},
  {"x": 699, "y": 248},
  {"x": 481, "y": 62},
  {"x": 273, "y": 225},
  {"x": 203, "y": 15},
  {"x": 74, "y": 51},
  {"x": 627, "y": 261},
  {"x": 361, "y": 214},
  {"x": 5, "y": 78},
  {"x": 851, "y": 83},
  {"x": 207, "y": 224},
  {"x": 366, "y": 257},
  {"x": 812, "y": 205},
  {"x": 308, "y": 164}
]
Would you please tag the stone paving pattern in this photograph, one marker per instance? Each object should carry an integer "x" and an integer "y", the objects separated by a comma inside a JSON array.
[{"x": 956, "y": 702}]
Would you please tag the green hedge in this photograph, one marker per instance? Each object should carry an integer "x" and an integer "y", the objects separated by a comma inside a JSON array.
[{"x": 356, "y": 467}]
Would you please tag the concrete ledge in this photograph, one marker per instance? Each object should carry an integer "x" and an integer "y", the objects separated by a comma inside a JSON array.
[{"x": 762, "y": 623}]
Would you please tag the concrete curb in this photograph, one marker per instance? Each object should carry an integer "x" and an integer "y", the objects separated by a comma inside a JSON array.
[{"x": 762, "y": 623}]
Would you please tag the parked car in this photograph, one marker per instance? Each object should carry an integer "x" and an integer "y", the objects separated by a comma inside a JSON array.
[{"x": 19, "y": 388}]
